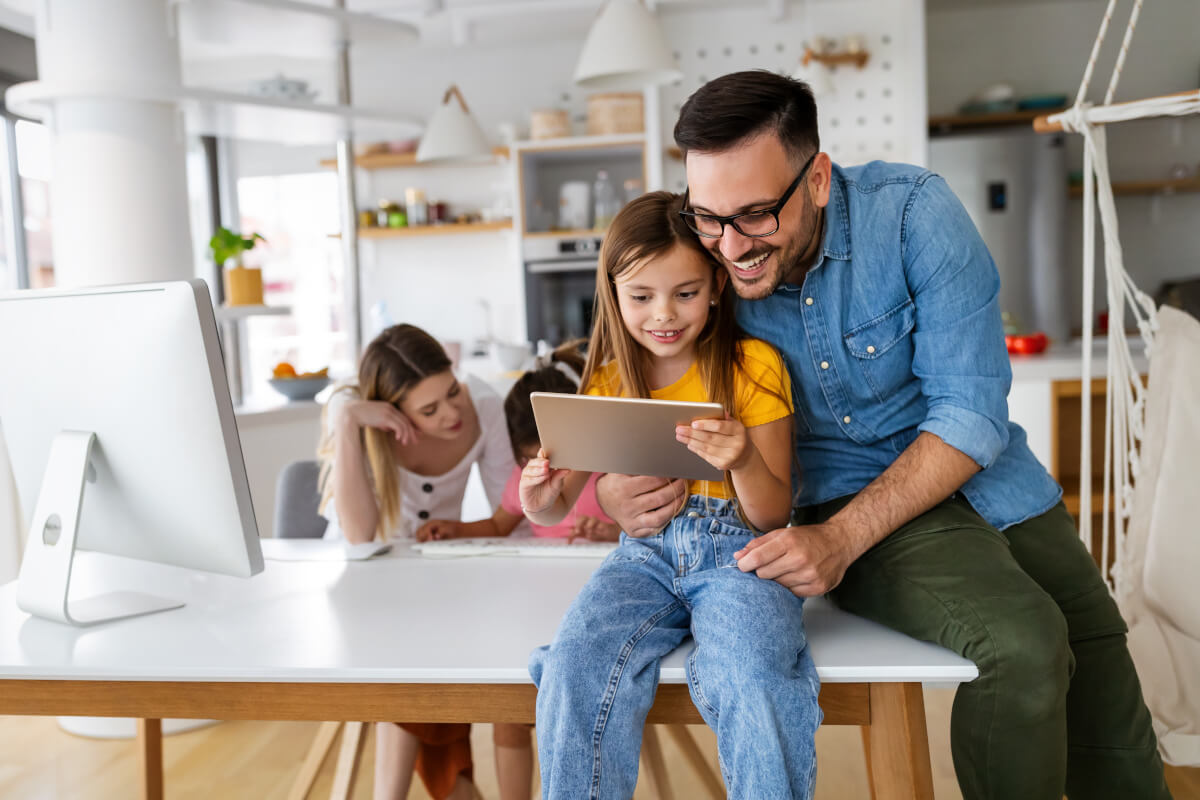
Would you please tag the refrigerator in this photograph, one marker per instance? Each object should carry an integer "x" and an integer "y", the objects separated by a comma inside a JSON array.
[{"x": 1013, "y": 183}]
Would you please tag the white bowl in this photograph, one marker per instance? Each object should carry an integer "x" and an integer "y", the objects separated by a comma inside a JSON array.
[{"x": 511, "y": 356}]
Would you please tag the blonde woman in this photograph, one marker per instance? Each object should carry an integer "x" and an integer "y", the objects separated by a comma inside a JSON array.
[{"x": 396, "y": 454}]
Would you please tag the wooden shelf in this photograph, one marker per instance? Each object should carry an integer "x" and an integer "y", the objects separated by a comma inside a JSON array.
[
  {"x": 957, "y": 123},
  {"x": 400, "y": 160},
  {"x": 449, "y": 229},
  {"x": 1177, "y": 186}
]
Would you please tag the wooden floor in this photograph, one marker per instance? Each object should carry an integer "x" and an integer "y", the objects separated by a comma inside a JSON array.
[{"x": 257, "y": 761}]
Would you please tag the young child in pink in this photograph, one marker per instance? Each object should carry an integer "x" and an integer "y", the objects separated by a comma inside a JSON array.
[{"x": 557, "y": 372}]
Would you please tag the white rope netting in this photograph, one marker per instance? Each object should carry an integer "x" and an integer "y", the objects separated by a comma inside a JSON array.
[{"x": 1126, "y": 403}]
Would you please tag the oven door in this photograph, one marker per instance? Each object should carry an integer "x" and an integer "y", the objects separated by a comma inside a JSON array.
[{"x": 559, "y": 299}]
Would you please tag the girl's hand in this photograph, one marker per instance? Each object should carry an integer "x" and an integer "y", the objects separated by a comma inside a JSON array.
[
  {"x": 540, "y": 485},
  {"x": 381, "y": 415},
  {"x": 438, "y": 529},
  {"x": 594, "y": 530},
  {"x": 721, "y": 442}
]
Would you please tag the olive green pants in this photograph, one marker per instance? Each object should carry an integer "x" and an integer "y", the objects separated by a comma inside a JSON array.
[{"x": 1057, "y": 708}]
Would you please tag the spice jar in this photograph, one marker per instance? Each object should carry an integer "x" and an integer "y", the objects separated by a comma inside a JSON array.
[
  {"x": 418, "y": 209},
  {"x": 439, "y": 213},
  {"x": 367, "y": 218},
  {"x": 381, "y": 216}
]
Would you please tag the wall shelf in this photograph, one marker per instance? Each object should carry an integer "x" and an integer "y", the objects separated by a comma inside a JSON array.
[
  {"x": 232, "y": 313},
  {"x": 402, "y": 160},
  {"x": 944, "y": 124},
  {"x": 857, "y": 58},
  {"x": 1180, "y": 185},
  {"x": 448, "y": 229},
  {"x": 225, "y": 114}
]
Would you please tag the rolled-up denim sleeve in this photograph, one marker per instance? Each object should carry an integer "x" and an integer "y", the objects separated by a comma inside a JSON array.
[{"x": 959, "y": 354}]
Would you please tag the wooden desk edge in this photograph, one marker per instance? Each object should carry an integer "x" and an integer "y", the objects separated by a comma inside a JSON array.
[{"x": 843, "y": 703}]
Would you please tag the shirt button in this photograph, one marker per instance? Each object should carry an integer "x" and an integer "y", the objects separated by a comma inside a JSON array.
[
  {"x": 870, "y": 348},
  {"x": 846, "y": 420},
  {"x": 428, "y": 487},
  {"x": 824, "y": 365},
  {"x": 425, "y": 514},
  {"x": 808, "y": 301}
]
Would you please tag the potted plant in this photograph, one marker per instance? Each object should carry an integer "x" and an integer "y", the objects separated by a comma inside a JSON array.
[{"x": 243, "y": 286}]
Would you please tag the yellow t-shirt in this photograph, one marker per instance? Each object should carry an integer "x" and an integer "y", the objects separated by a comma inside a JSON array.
[{"x": 762, "y": 374}]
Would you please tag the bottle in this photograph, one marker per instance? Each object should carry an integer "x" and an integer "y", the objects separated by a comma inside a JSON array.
[{"x": 604, "y": 200}]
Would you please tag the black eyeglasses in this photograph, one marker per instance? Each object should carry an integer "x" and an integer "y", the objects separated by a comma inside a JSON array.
[{"x": 754, "y": 224}]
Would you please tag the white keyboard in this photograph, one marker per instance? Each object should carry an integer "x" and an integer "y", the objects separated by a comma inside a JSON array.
[{"x": 536, "y": 547}]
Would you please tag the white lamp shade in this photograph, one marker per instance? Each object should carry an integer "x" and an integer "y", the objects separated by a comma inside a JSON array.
[
  {"x": 452, "y": 133},
  {"x": 625, "y": 49}
]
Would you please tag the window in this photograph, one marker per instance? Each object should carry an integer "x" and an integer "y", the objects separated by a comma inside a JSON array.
[
  {"x": 34, "y": 169},
  {"x": 302, "y": 268}
]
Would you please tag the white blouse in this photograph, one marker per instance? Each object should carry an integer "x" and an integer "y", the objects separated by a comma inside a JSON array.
[{"x": 426, "y": 497}]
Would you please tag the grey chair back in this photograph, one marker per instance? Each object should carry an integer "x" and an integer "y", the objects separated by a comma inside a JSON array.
[{"x": 296, "y": 501}]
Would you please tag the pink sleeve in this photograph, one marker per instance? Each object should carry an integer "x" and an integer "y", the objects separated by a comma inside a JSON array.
[{"x": 510, "y": 501}]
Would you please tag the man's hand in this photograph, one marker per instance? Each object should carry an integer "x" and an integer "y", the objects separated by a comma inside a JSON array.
[
  {"x": 640, "y": 504},
  {"x": 438, "y": 529},
  {"x": 809, "y": 560}
]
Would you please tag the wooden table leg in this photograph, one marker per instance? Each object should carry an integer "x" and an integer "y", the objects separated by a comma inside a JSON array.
[
  {"x": 313, "y": 760},
  {"x": 656, "y": 766},
  {"x": 898, "y": 744},
  {"x": 353, "y": 738},
  {"x": 149, "y": 744},
  {"x": 691, "y": 752}
]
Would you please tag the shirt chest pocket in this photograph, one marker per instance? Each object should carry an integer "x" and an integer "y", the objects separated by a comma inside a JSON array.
[{"x": 883, "y": 350}]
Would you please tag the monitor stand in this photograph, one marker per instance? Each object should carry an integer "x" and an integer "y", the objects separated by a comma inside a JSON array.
[{"x": 45, "y": 579}]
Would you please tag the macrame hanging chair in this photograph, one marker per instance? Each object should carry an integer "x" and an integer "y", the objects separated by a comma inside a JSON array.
[{"x": 1151, "y": 508}]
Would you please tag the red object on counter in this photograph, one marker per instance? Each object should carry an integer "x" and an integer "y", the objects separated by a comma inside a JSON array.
[{"x": 1026, "y": 345}]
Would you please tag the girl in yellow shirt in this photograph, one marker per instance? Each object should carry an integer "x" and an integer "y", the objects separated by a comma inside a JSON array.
[{"x": 665, "y": 329}]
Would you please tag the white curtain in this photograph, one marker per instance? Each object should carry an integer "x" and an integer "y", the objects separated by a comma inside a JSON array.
[
  {"x": 1159, "y": 566},
  {"x": 11, "y": 535}
]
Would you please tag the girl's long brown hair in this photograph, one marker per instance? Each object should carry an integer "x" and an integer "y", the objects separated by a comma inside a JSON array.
[
  {"x": 650, "y": 227},
  {"x": 394, "y": 362}
]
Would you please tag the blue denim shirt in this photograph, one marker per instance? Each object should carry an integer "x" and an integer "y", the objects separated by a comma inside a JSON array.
[{"x": 896, "y": 330}]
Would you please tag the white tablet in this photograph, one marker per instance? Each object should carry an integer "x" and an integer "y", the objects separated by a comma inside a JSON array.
[{"x": 626, "y": 435}]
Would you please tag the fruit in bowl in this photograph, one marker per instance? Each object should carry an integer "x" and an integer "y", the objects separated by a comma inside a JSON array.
[{"x": 298, "y": 385}]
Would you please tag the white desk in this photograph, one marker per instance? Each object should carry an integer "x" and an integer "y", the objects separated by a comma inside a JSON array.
[{"x": 403, "y": 638}]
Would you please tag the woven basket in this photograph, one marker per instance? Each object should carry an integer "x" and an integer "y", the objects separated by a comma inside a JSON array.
[
  {"x": 614, "y": 112},
  {"x": 549, "y": 123}
]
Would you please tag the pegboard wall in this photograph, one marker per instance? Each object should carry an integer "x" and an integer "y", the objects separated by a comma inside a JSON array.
[{"x": 877, "y": 112}]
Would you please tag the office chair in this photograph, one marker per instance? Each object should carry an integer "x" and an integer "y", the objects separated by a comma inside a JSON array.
[{"x": 297, "y": 498}]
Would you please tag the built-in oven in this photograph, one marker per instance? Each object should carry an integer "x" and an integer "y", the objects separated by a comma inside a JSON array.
[{"x": 560, "y": 286}]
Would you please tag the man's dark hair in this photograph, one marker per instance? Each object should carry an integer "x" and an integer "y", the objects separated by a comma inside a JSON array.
[{"x": 728, "y": 110}]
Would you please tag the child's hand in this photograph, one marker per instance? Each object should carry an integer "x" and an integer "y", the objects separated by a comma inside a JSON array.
[
  {"x": 540, "y": 485},
  {"x": 438, "y": 529},
  {"x": 594, "y": 530},
  {"x": 381, "y": 415},
  {"x": 721, "y": 442}
]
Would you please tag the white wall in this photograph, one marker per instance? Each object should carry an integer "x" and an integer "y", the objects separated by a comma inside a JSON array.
[
  {"x": 512, "y": 66},
  {"x": 1043, "y": 48}
]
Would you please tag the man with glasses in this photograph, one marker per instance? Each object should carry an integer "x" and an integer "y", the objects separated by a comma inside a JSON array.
[{"x": 920, "y": 505}]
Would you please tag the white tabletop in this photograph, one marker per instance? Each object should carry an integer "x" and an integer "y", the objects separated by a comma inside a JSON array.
[{"x": 398, "y": 618}]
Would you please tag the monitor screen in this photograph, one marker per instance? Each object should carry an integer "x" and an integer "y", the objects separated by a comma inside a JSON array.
[{"x": 140, "y": 367}]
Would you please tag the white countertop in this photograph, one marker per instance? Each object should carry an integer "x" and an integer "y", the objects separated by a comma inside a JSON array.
[{"x": 1064, "y": 361}]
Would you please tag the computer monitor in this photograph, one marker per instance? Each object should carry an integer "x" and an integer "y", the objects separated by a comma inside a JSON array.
[{"x": 121, "y": 434}]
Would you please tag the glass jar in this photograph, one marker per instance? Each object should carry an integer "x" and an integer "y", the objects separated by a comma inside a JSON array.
[{"x": 418, "y": 209}]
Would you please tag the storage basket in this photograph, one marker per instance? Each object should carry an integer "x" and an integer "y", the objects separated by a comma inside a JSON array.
[{"x": 614, "y": 112}]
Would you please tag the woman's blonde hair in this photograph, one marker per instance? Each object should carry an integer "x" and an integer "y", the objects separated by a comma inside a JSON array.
[{"x": 394, "y": 362}]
